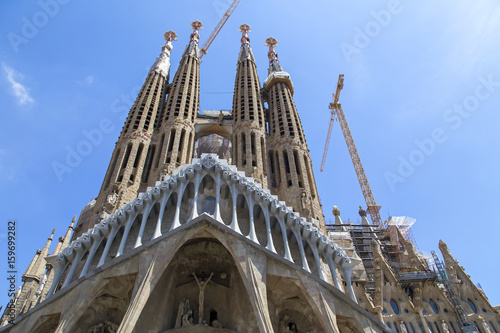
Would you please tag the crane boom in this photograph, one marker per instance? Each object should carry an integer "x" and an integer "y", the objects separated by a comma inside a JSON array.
[
  {"x": 327, "y": 144},
  {"x": 340, "y": 85},
  {"x": 372, "y": 207},
  {"x": 219, "y": 26}
]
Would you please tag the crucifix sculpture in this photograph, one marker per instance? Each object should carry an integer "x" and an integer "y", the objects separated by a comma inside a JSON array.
[{"x": 202, "y": 285}]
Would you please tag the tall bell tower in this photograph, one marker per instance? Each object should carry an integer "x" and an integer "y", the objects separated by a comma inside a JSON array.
[
  {"x": 176, "y": 132},
  {"x": 132, "y": 157},
  {"x": 249, "y": 123},
  {"x": 290, "y": 173}
]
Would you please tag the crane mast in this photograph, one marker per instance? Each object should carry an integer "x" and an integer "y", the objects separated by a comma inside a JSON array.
[
  {"x": 337, "y": 111},
  {"x": 219, "y": 26}
]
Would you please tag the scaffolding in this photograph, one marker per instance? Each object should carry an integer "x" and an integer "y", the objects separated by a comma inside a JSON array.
[
  {"x": 392, "y": 248},
  {"x": 463, "y": 320}
]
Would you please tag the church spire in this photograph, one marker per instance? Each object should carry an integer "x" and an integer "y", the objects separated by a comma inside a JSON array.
[
  {"x": 130, "y": 165},
  {"x": 176, "y": 131},
  {"x": 192, "y": 48},
  {"x": 291, "y": 175},
  {"x": 37, "y": 266},
  {"x": 245, "y": 50},
  {"x": 162, "y": 63},
  {"x": 249, "y": 122},
  {"x": 274, "y": 64},
  {"x": 64, "y": 241}
]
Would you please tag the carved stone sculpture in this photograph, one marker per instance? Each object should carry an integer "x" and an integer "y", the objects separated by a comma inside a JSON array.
[
  {"x": 306, "y": 205},
  {"x": 187, "y": 319},
  {"x": 104, "y": 327},
  {"x": 183, "y": 310},
  {"x": 202, "y": 285},
  {"x": 445, "y": 327}
]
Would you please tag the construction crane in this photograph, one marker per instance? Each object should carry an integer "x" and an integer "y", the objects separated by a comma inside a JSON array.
[
  {"x": 219, "y": 26},
  {"x": 372, "y": 207}
]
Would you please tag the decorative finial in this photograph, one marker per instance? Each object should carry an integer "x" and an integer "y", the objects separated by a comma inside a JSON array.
[
  {"x": 271, "y": 42},
  {"x": 336, "y": 211},
  {"x": 274, "y": 65},
  {"x": 170, "y": 36},
  {"x": 245, "y": 29},
  {"x": 196, "y": 26}
]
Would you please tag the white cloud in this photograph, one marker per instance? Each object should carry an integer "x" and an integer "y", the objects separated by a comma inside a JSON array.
[
  {"x": 89, "y": 79},
  {"x": 18, "y": 89}
]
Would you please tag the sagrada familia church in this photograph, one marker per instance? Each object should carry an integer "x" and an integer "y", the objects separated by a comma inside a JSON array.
[{"x": 212, "y": 222}]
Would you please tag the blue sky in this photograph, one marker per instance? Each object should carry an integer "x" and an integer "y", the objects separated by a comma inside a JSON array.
[{"x": 421, "y": 95}]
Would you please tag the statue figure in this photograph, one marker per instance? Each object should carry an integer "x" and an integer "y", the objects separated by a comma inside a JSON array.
[
  {"x": 112, "y": 197},
  {"x": 202, "y": 285},
  {"x": 256, "y": 175},
  {"x": 103, "y": 327},
  {"x": 306, "y": 205},
  {"x": 445, "y": 326},
  {"x": 361, "y": 211},
  {"x": 183, "y": 309},
  {"x": 187, "y": 319},
  {"x": 221, "y": 117},
  {"x": 402, "y": 326}
]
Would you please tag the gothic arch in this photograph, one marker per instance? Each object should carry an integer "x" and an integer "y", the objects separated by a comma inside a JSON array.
[{"x": 224, "y": 296}]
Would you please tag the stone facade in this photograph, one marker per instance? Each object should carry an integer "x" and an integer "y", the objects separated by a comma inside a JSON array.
[{"x": 233, "y": 240}]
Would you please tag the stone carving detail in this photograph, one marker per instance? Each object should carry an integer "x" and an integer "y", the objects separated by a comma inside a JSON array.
[
  {"x": 361, "y": 211},
  {"x": 402, "y": 326},
  {"x": 202, "y": 285},
  {"x": 287, "y": 326},
  {"x": 417, "y": 295},
  {"x": 101, "y": 216},
  {"x": 184, "y": 314},
  {"x": 111, "y": 201},
  {"x": 105, "y": 327},
  {"x": 306, "y": 205},
  {"x": 176, "y": 182},
  {"x": 187, "y": 319},
  {"x": 445, "y": 327},
  {"x": 167, "y": 170},
  {"x": 336, "y": 211}
]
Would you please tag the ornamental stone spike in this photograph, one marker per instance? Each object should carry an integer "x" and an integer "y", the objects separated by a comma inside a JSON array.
[
  {"x": 274, "y": 65},
  {"x": 196, "y": 26},
  {"x": 162, "y": 63},
  {"x": 245, "y": 29}
]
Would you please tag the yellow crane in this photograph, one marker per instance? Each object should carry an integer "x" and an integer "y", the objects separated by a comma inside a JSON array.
[
  {"x": 219, "y": 26},
  {"x": 337, "y": 112}
]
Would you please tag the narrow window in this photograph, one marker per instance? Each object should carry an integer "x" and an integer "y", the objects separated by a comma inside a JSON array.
[
  {"x": 170, "y": 146},
  {"x": 149, "y": 162},
  {"x": 160, "y": 148},
  {"x": 243, "y": 149},
  {"x": 181, "y": 147},
  {"x": 138, "y": 155},
  {"x": 263, "y": 153},
  {"x": 112, "y": 168},
  {"x": 297, "y": 168}
]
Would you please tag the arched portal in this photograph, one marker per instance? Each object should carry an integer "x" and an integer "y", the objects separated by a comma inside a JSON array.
[{"x": 201, "y": 286}]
